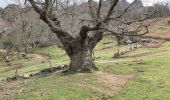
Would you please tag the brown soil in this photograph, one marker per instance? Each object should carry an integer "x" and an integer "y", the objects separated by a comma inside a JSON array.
[
  {"x": 8, "y": 89},
  {"x": 41, "y": 58},
  {"x": 12, "y": 67},
  {"x": 112, "y": 83},
  {"x": 2, "y": 52}
]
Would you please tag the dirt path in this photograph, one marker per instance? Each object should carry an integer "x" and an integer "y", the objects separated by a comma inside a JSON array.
[
  {"x": 37, "y": 56},
  {"x": 132, "y": 58},
  {"x": 12, "y": 67},
  {"x": 9, "y": 89},
  {"x": 157, "y": 54},
  {"x": 40, "y": 58}
]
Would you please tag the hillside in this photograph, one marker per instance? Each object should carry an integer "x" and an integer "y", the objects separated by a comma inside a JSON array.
[{"x": 137, "y": 75}]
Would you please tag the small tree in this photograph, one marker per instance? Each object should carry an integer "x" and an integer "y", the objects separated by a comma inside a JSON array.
[{"x": 80, "y": 47}]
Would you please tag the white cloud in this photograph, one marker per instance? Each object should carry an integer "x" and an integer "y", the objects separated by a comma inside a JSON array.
[
  {"x": 148, "y": 2},
  {"x": 4, "y": 3},
  {"x": 151, "y": 2}
]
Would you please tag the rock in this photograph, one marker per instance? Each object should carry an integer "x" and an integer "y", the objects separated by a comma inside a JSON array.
[
  {"x": 22, "y": 55},
  {"x": 64, "y": 66},
  {"x": 25, "y": 76},
  {"x": 3, "y": 53},
  {"x": 34, "y": 74},
  {"x": 145, "y": 40},
  {"x": 9, "y": 79},
  {"x": 7, "y": 59},
  {"x": 50, "y": 70}
]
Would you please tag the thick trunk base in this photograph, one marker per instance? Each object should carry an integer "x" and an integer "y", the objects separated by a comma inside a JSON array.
[{"x": 82, "y": 61}]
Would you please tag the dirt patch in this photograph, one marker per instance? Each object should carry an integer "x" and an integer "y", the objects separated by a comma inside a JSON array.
[
  {"x": 111, "y": 84},
  {"x": 111, "y": 78},
  {"x": 2, "y": 52},
  {"x": 12, "y": 67},
  {"x": 154, "y": 44},
  {"x": 7, "y": 90},
  {"x": 41, "y": 58},
  {"x": 158, "y": 38},
  {"x": 115, "y": 82},
  {"x": 157, "y": 54},
  {"x": 151, "y": 54}
]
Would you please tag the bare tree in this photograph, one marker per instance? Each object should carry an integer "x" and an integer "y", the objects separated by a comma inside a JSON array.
[
  {"x": 163, "y": 10},
  {"x": 80, "y": 47}
]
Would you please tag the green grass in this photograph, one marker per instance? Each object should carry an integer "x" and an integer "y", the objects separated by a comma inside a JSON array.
[
  {"x": 122, "y": 67},
  {"x": 53, "y": 52},
  {"x": 60, "y": 87},
  {"x": 152, "y": 84},
  {"x": 31, "y": 65},
  {"x": 106, "y": 51}
]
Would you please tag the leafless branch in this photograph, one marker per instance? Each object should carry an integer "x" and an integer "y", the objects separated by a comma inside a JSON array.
[
  {"x": 92, "y": 10},
  {"x": 111, "y": 10},
  {"x": 4, "y": 30},
  {"x": 126, "y": 9},
  {"x": 99, "y": 9},
  {"x": 148, "y": 16},
  {"x": 129, "y": 33},
  {"x": 50, "y": 20}
]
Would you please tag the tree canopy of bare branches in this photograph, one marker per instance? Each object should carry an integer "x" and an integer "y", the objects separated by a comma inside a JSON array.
[{"x": 91, "y": 29}]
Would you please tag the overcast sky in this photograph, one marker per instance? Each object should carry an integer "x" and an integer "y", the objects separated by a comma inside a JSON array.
[
  {"x": 4, "y": 3},
  {"x": 151, "y": 2}
]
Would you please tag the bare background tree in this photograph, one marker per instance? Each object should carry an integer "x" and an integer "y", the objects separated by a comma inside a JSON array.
[{"x": 23, "y": 31}]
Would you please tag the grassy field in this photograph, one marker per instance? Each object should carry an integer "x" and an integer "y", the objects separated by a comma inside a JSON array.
[
  {"x": 152, "y": 83},
  {"x": 139, "y": 75}
]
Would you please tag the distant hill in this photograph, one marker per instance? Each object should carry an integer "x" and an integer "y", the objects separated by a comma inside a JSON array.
[
  {"x": 39, "y": 32},
  {"x": 35, "y": 30},
  {"x": 10, "y": 12}
]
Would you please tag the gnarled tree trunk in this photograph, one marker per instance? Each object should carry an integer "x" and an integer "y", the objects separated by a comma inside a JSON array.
[
  {"x": 82, "y": 60},
  {"x": 81, "y": 54}
]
